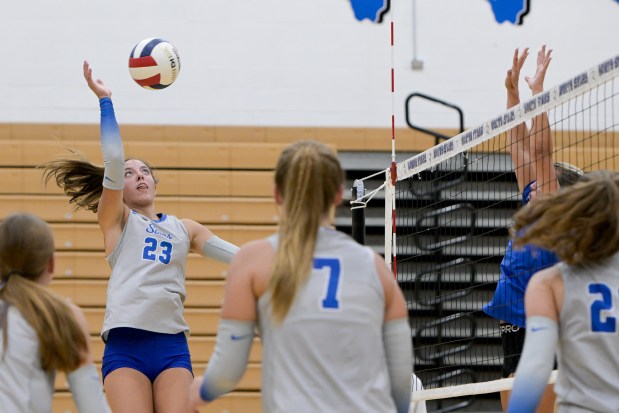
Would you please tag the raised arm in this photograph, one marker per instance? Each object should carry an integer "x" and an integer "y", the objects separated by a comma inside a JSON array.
[
  {"x": 541, "y": 146},
  {"x": 111, "y": 211},
  {"x": 518, "y": 137}
]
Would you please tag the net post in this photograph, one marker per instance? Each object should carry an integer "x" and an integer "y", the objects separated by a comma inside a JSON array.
[
  {"x": 393, "y": 172},
  {"x": 389, "y": 204},
  {"x": 358, "y": 213}
]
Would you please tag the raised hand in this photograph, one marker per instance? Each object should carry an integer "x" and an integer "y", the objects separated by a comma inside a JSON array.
[
  {"x": 536, "y": 83},
  {"x": 513, "y": 74},
  {"x": 97, "y": 86}
]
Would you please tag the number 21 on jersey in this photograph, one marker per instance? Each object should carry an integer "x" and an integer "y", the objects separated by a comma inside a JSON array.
[
  {"x": 602, "y": 323},
  {"x": 332, "y": 268}
]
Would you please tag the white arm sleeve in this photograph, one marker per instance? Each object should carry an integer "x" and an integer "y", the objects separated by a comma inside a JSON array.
[
  {"x": 535, "y": 366},
  {"x": 398, "y": 351},
  {"x": 219, "y": 249},
  {"x": 229, "y": 360},
  {"x": 87, "y": 391}
]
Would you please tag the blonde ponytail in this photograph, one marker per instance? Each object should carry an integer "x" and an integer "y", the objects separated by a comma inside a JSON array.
[{"x": 308, "y": 176}]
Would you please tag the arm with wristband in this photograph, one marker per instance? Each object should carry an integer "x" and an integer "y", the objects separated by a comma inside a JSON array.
[
  {"x": 111, "y": 142},
  {"x": 111, "y": 147},
  {"x": 111, "y": 209}
]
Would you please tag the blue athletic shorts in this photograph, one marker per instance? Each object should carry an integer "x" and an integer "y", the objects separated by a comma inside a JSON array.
[{"x": 145, "y": 351}]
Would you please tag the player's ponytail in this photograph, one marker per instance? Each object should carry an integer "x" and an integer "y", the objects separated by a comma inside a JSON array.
[
  {"x": 580, "y": 223},
  {"x": 80, "y": 180},
  {"x": 26, "y": 249},
  {"x": 308, "y": 176}
]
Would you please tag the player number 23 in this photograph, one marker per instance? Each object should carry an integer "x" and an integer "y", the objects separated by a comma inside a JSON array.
[{"x": 151, "y": 251}]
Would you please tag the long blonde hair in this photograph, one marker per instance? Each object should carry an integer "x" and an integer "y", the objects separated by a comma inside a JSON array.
[
  {"x": 26, "y": 248},
  {"x": 580, "y": 223},
  {"x": 308, "y": 176}
]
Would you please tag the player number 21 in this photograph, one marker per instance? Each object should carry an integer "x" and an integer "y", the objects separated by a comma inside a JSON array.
[
  {"x": 604, "y": 303},
  {"x": 330, "y": 301}
]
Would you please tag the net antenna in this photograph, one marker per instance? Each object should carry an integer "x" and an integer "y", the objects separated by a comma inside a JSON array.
[{"x": 451, "y": 236}]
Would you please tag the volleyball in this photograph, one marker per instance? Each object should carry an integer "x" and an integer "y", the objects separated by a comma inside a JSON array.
[{"x": 154, "y": 63}]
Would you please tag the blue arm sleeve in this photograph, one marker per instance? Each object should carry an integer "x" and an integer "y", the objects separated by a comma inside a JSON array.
[
  {"x": 111, "y": 147},
  {"x": 535, "y": 364}
]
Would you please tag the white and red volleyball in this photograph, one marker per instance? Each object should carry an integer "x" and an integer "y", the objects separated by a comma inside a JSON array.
[{"x": 154, "y": 63}]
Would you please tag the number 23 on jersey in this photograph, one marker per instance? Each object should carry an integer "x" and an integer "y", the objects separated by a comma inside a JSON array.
[{"x": 157, "y": 251}]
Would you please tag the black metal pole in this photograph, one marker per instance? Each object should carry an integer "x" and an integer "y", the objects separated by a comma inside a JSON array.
[{"x": 358, "y": 213}]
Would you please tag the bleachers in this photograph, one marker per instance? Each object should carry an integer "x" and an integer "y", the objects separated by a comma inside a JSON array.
[{"x": 219, "y": 176}]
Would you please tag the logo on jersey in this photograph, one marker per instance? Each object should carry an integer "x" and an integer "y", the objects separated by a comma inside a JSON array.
[
  {"x": 152, "y": 230},
  {"x": 234, "y": 337}
]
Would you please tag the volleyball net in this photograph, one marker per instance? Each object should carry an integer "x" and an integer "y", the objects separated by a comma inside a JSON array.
[{"x": 447, "y": 216}]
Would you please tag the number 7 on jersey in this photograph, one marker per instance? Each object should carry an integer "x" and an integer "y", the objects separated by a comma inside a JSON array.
[{"x": 330, "y": 301}]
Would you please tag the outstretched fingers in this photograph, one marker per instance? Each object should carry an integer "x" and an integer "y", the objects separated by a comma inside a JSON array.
[
  {"x": 513, "y": 74},
  {"x": 522, "y": 58},
  {"x": 536, "y": 83}
]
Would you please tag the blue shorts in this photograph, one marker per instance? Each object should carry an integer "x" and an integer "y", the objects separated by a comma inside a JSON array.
[{"x": 145, "y": 351}]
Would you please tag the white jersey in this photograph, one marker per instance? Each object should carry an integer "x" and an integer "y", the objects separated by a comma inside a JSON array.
[
  {"x": 24, "y": 386},
  {"x": 328, "y": 354},
  {"x": 147, "y": 286},
  {"x": 588, "y": 352}
]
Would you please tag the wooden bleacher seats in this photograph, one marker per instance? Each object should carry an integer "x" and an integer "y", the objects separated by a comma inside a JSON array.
[
  {"x": 93, "y": 292},
  {"x": 171, "y": 182},
  {"x": 219, "y": 176},
  {"x": 356, "y": 139},
  {"x": 207, "y": 210},
  {"x": 194, "y": 155},
  {"x": 92, "y": 265},
  {"x": 87, "y": 236},
  {"x": 202, "y": 321}
]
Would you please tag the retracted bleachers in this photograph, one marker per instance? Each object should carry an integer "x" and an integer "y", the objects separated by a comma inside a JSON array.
[
  {"x": 219, "y": 176},
  {"x": 226, "y": 185}
]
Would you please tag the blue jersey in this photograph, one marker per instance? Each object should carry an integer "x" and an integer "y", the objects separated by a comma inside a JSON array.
[{"x": 517, "y": 268}]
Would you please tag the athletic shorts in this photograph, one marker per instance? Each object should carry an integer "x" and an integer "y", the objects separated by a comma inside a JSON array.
[
  {"x": 512, "y": 340},
  {"x": 145, "y": 351}
]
